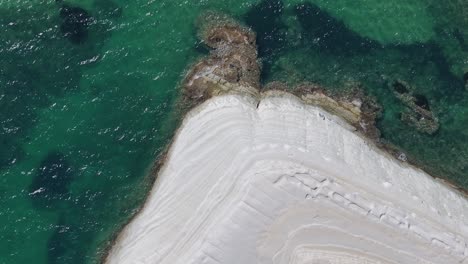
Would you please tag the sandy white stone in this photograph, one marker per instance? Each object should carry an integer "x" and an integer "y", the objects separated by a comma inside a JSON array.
[{"x": 279, "y": 181}]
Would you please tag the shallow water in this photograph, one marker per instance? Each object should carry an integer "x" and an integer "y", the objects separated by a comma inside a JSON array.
[{"x": 88, "y": 92}]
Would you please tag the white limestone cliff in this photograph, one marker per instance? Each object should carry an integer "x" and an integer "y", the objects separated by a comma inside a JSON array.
[{"x": 276, "y": 180}]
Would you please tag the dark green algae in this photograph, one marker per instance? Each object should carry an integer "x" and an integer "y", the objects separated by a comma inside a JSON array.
[
  {"x": 336, "y": 57},
  {"x": 88, "y": 92}
]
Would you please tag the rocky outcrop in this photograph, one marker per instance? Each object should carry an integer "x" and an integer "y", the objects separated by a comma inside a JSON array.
[
  {"x": 417, "y": 112},
  {"x": 231, "y": 65}
]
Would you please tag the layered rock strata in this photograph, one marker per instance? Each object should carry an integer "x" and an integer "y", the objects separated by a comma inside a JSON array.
[
  {"x": 274, "y": 177},
  {"x": 279, "y": 181}
]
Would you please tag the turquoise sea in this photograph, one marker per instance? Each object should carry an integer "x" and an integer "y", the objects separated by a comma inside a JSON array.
[{"x": 89, "y": 89}]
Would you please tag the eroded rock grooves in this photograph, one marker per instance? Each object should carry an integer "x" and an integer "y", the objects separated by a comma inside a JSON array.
[{"x": 263, "y": 175}]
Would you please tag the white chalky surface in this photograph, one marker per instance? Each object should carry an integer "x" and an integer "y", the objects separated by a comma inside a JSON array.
[{"x": 286, "y": 182}]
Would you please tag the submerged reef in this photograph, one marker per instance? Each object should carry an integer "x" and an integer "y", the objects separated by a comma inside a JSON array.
[
  {"x": 452, "y": 32},
  {"x": 417, "y": 112},
  {"x": 393, "y": 22},
  {"x": 327, "y": 33}
]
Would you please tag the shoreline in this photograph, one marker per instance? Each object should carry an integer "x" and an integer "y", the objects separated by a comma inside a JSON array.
[
  {"x": 232, "y": 71},
  {"x": 197, "y": 110}
]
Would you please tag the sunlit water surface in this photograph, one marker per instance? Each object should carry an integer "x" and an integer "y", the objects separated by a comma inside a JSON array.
[{"x": 88, "y": 93}]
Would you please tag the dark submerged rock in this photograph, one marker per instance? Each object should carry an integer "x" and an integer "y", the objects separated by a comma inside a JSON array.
[
  {"x": 417, "y": 111},
  {"x": 265, "y": 20},
  {"x": 63, "y": 245},
  {"x": 329, "y": 33},
  {"x": 421, "y": 101},
  {"x": 458, "y": 35},
  {"x": 53, "y": 177},
  {"x": 201, "y": 48},
  {"x": 400, "y": 88},
  {"x": 75, "y": 23},
  {"x": 465, "y": 80}
]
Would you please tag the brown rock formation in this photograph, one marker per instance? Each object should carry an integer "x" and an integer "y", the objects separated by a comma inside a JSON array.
[{"x": 232, "y": 64}]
